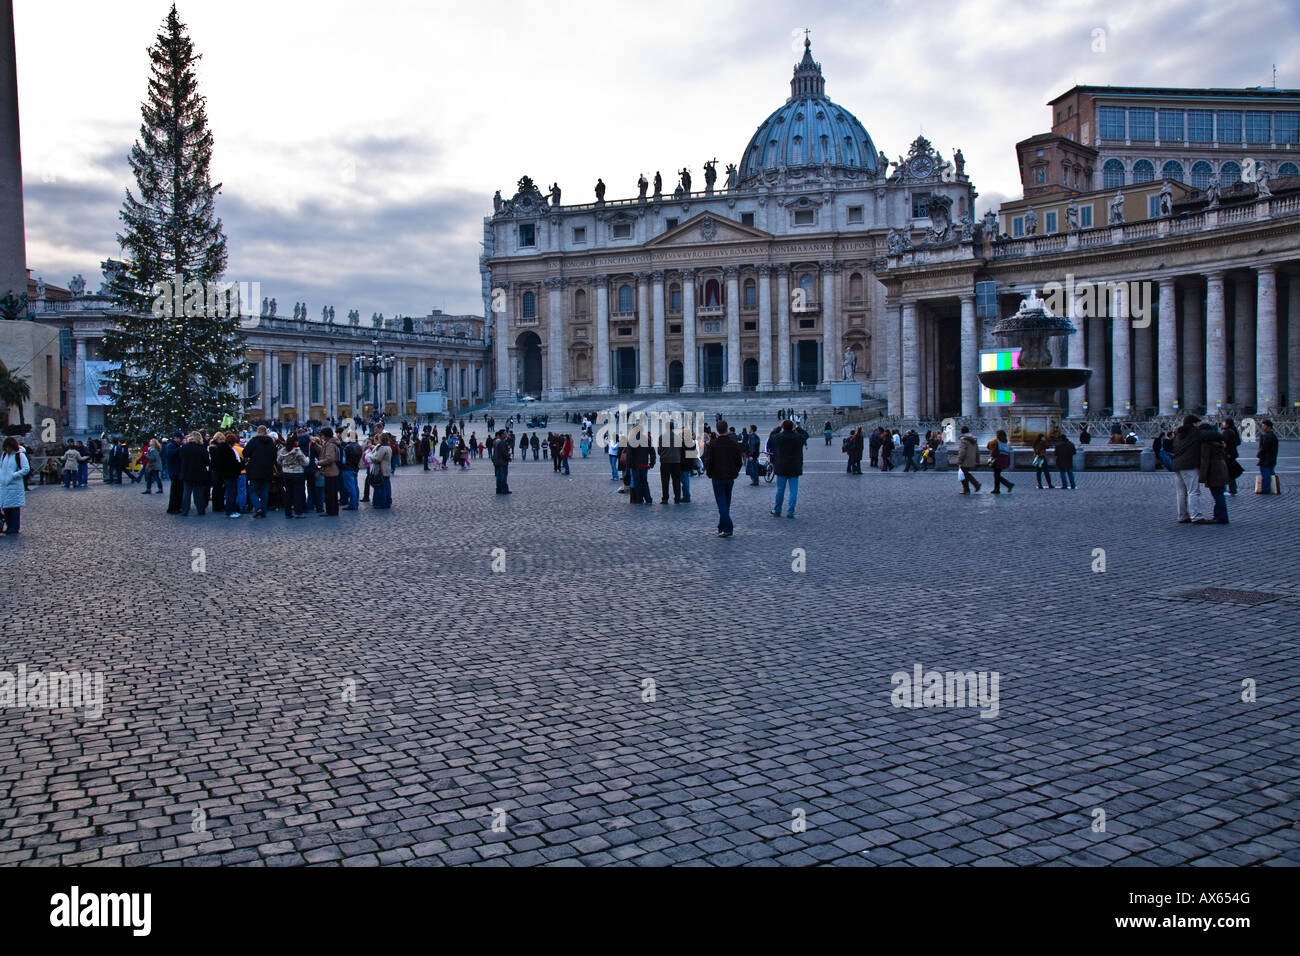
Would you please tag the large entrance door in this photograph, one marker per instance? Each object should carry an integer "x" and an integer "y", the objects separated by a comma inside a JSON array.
[
  {"x": 949, "y": 361},
  {"x": 807, "y": 358},
  {"x": 714, "y": 368},
  {"x": 625, "y": 369},
  {"x": 675, "y": 376},
  {"x": 749, "y": 374},
  {"x": 528, "y": 353}
]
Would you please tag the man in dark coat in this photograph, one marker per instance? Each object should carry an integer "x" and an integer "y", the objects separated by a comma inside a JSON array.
[
  {"x": 1267, "y": 456},
  {"x": 787, "y": 462},
  {"x": 196, "y": 474},
  {"x": 722, "y": 462},
  {"x": 172, "y": 452},
  {"x": 1187, "y": 470},
  {"x": 501, "y": 462},
  {"x": 259, "y": 469}
]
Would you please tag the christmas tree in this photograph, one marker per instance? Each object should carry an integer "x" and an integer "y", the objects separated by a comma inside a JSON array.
[{"x": 177, "y": 337}]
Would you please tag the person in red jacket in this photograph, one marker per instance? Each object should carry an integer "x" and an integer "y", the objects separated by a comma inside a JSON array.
[{"x": 567, "y": 452}]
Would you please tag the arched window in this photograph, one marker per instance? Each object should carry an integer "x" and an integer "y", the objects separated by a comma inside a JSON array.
[
  {"x": 580, "y": 304},
  {"x": 808, "y": 285},
  {"x": 855, "y": 287},
  {"x": 529, "y": 306},
  {"x": 1144, "y": 171},
  {"x": 1112, "y": 174},
  {"x": 712, "y": 292},
  {"x": 1202, "y": 173},
  {"x": 625, "y": 298},
  {"x": 1288, "y": 169},
  {"x": 751, "y": 294},
  {"x": 674, "y": 298},
  {"x": 1229, "y": 174},
  {"x": 1172, "y": 171}
]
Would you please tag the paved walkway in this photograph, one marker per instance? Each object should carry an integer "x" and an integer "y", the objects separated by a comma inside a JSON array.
[{"x": 368, "y": 690}]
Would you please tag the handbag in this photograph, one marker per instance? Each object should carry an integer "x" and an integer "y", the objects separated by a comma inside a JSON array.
[{"x": 1038, "y": 462}]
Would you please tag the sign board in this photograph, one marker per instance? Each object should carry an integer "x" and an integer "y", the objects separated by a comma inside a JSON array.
[
  {"x": 97, "y": 391},
  {"x": 431, "y": 403},
  {"x": 846, "y": 394}
]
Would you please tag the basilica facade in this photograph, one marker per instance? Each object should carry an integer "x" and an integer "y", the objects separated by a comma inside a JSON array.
[{"x": 765, "y": 280}]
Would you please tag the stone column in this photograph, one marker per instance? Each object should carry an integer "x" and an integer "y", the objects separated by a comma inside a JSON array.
[
  {"x": 1216, "y": 345},
  {"x": 1193, "y": 349},
  {"x": 784, "y": 381},
  {"x": 1121, "y": 373},
  {"x": 79, "y": 411},
  {"x": 643, "y": 331},
  {"x": 1243, "y": 349},
  {"x": 660, "y": 364},
  {"x": 1168, "y": 345},
  {"x": 505, "y": 372},
  {"x": 690, "y": 378},
  {"x": 603, "y": 386},
  {"x": 1075, "y": 347},
  {"x": 1097, "y": 385},
  {"x": 1267, "y": 395},
  {"x": 893, "y": 351},
  {"x": 911, "y": 362},
  {"x": 732, "y": 275},
  {"x": 1143, "y": 378},
  {"x": 830, "y": 324},
  {"x": 554, "y": 337},
  {"x": 1293, "y": 340},
  {"x": 764, "y": 327},
  {"x": 970, "y": 396}
]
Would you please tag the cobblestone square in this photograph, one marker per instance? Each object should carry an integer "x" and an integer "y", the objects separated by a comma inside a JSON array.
[{"x": 629, "y": 689}]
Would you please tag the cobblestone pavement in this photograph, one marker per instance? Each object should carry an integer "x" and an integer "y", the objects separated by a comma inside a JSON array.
[{"x": 522, "y": 699}]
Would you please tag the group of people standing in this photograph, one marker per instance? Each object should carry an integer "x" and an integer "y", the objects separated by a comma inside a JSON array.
[{"x": 1203, "y": 456}]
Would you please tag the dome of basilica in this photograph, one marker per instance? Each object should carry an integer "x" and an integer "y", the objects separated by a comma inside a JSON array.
[{"x": 808, "y": 130}]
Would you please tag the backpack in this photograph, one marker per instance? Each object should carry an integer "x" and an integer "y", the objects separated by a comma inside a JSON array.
[{"x": 353, "y": 455}]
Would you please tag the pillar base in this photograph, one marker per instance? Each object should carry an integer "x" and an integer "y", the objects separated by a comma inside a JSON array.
[
  {"x": 766, "y": 387},
  {"x": 690, "y": 389},
  {"x": 659, "y": 389},
  {"x": 785, "y": 386}
]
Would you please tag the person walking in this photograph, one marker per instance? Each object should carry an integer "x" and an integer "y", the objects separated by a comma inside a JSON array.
[
  {"x": 640, "y": 459},
  {"x": 381, "y": 472},
  {"x": 1187, "y": 470},
  {"x": 786, "y": 446},
  {"x": 611, "y": 449},
  {"x": 14, "y": 467},
  {"x": 670, "y": 465},
  {"x": 886, "y": 450},
  {"x": 72, "y": 460},
  {"x": 331, "y": 466},
  {"x": 1064, "y": 449},
  {"x": 1231, "y": 442},
  {"x": 828, "y": 431},
  {"x": 259, "y": 469},
  {"x": 501, "y": 462},
  {"x": 1267, "y": 459},
  {"x": 910, "y": 441},
  {"x": 153, "y": 462},
  {"x": 968, "y": 459},
  {"x": 195, "y": 472},
  {"x": 751, "y": 446},
  {"x": 293, "y": 466},
  {"x": 423, "y": 449},
  {"x": 1000, "y": 460},
  {"x": 722, "y": 461},
  {"x": 1041, "y": 469},
  {"x": 873, "y": 446}
]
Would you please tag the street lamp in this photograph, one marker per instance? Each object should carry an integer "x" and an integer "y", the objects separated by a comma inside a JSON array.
[{"x": 374, "y": 364}]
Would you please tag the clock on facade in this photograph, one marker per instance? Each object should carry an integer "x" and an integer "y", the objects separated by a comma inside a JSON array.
[{"x": 921, "y": 166}]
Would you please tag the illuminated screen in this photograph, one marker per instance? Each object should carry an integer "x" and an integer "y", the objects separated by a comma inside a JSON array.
[{"x": 998, "y": 359}]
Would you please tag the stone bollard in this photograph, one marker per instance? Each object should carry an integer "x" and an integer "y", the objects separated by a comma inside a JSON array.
[
  {"x": 941, "y": 458},
  {"x": 1147, "y": 460}
]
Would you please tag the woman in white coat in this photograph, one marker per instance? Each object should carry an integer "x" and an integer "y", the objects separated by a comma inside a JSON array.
[{"x": 14, "y": 466}]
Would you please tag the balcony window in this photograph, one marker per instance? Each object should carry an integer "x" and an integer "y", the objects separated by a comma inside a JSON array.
[
  {"x": 529, "y": 305},
  {"x": 1085, "y": 217},
  {"x": 1171, "y": 125},
  {"x": 1229, "y": 127},
  {"x": 675, "y": 298},
  {"x": 751, "y": 294},
  {"x": 1142, "y": 124},
  {"x": 625, "y": 298},
  {"x": 1049, "y": 223},
  {"x": 1288, "y": 128},
  {"x": 1200, "y": 126},
  {"x": 527, "y": 235},
  {"x": 1259, "y": 127}
]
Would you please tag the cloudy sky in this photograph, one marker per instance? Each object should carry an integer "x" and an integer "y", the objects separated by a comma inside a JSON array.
[{"x": 359, "y": 144}]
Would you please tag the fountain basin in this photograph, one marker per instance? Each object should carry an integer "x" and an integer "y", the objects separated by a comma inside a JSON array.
[{"x": 1034, "y": 379}]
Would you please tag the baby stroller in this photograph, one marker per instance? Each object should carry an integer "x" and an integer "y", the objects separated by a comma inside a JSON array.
[{"x": 764, "y": 466}]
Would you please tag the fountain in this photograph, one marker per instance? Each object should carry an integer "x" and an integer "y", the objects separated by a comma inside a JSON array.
[{"x": 1034, "y": 410}]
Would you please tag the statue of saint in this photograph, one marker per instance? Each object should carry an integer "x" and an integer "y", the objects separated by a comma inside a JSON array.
[
  {"x": 959, "y": 161},
  {"x": 555, "y": 194},
  {"x": 850, "y": 363},
  {"x": 600, "y": 190},
  {"x": 271, "y": 314},
  {"x": 731, "y": 176},
  {"x": 686, "y": 180},
  {"x": 77, "y": 285},
  {"x": 895, "y": 241},
  {"x": 1261, "y": 181},
  {"x": 710, "y": 175},
  {"x": 1212, "y": 194},
  {"x": 882, "y": 164},
  {"x": 497, "y": 202},
  {"x": 1031, "y": 222},
  {"x": 266, "y": 305},
  {"x": 1166, "y": 199},
  {"x": 659, "y": 184},
  {"x": 1072, "y": 216},
  {"x": 331, "y": 315},
  {"x": 642, "y": 184},
  {"x": 1116, "y": 208},
  {"x": 40, "y": 287}
]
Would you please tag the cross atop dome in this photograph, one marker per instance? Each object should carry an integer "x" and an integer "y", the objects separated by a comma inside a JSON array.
[{"x": 808, "y": 80}]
